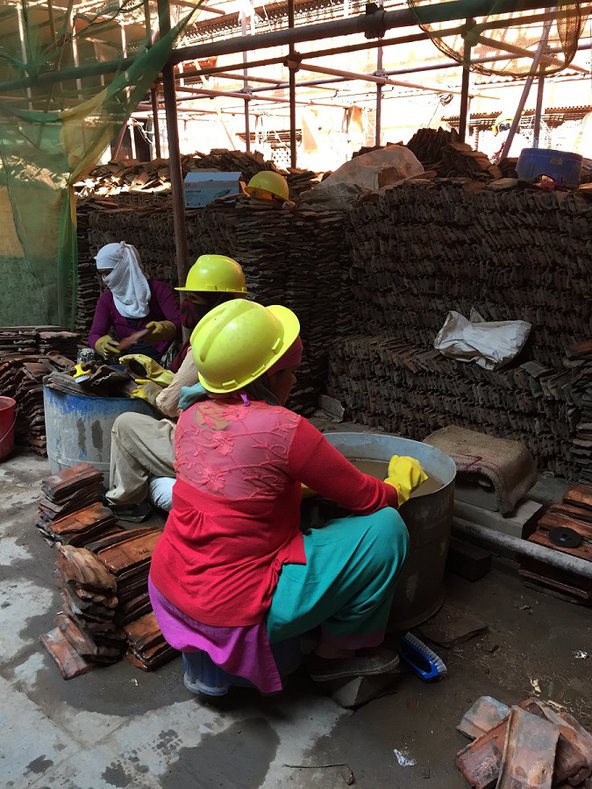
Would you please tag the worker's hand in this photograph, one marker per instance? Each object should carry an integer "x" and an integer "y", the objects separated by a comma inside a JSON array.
[
  {"x": 159, "y": 331},
  {"x": 143, "y": 367},
  {"x": 405, "y": 474},
  {"x": 148, "y": 391},
  {"x": 190, "y": 395},
  {"x": 106, "y": 347}
]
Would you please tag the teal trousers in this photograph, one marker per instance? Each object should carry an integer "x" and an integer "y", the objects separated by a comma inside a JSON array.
[{"x": 346, "y": 587}]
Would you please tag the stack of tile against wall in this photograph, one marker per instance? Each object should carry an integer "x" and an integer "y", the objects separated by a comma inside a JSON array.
[
  {"x": 290, "y": 257},
  {"x": 424, "y": 248}
]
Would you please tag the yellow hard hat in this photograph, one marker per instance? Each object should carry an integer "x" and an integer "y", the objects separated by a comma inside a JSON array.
[
  {"x": 215, "y": 273},
  {"x": 500, "y": 120},
  {"x": 270, "y": 182},
  {"x": 238, "y": 341}
]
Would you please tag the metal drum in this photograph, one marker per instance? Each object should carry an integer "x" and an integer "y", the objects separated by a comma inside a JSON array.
[
  {"x": 79, "y": 426},
  {"x": 419, "y": 592}
]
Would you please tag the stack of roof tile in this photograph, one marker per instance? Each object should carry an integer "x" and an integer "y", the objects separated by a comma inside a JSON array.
[
  {"x": 87, "y": 632},
  {"x": 147, "y": 648},
  {"x": 88, "y": 290},
  {"x": 106, "y": 607},
  {"x": 153, "y": 177},
  {"x": 102, "y": 573},
  {"x": 21, "y": 377},
  {"x": 38, "y": 340},
  {"x": 424, "y": 248},
  {"x": 386, "y": 382},
  {"x": 70, "y": 509}
]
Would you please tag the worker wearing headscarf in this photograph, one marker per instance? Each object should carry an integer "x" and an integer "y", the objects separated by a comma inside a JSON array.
[
  {"x": 130, "y": 303},
  {"x": 233, "y": 573},
  {"x": 142, "y": 457}
]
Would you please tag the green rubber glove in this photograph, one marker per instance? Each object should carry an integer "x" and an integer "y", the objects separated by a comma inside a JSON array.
[
  {"x": 405, "y": 474},
  {"x": 106, "y": 346},
  {"x": 159, "y": 331}
]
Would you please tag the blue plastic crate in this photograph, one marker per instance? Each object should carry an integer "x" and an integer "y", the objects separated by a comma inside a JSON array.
[{"x": 563, "y": 167}]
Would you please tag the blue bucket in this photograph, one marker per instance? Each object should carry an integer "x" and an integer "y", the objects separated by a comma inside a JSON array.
[{"x": 563, "y": 167}]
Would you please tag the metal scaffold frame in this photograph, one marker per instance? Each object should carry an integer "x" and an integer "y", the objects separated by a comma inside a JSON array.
[{"x": 374, "y": 24}]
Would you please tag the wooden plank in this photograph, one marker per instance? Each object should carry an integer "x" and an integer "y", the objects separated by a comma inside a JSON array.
[{"x": 580, "y": 495}]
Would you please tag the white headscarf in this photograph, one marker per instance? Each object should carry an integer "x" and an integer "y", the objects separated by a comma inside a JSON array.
[{"x": 130, "y": 288}]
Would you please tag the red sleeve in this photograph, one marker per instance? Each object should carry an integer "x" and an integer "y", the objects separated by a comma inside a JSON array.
[
  {"x": 315, "y": 462},
  {"x": 167, "y": 302}
]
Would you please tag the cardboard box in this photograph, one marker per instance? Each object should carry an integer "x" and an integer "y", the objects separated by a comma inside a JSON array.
[{"x": 202, "y": 187}]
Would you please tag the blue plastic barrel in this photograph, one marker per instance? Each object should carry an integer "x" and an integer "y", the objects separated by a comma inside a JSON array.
[
  {"x": 78, "y": 427},
  {"x": 563, "y": 167}
]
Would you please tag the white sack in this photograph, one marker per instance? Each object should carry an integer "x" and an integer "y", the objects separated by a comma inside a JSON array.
[{"x": 488, "y": 344}]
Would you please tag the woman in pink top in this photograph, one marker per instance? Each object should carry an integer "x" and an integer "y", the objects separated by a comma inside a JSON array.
[{"x": 232, "y": 573}]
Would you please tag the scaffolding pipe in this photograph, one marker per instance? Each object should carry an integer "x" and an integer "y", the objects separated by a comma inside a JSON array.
[
  {"x": 538, "y": 113},
  {"x": 176, "y": 175},
  {"x": 528, "y": 53},
  {"x": 378, "y": 117},
  {"x": 321, "y": 53},
  {"x": 465, "y": 99},
  {"x": 155, "y": 123},
  {"x": 243, "y": 21},
  {"x": 278, "y": 85},
  {"x": 372, "y": 24},
  {"x": 229, "y": 94},
  {"x": 353, "y": 75},
  {"x": 525, "y": 91},
  {"x": 292, "y": 91}
]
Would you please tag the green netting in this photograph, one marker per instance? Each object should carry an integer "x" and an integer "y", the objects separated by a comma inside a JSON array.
[
  {"x": 507, "y": 41},
  {"x": 59, "y": 110}
]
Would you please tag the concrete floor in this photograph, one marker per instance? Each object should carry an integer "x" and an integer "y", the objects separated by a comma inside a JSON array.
[{"x": 120, "y": 727}]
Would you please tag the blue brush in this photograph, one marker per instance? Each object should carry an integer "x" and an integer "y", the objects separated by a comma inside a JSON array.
[{"x": 420, "y": 658}]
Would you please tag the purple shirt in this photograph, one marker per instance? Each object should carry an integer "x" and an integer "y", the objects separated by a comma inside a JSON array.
[{"x": 163, "y": 307}]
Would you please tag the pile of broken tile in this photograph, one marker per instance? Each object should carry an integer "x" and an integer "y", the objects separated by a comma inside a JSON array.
[
  {"x": 102, "y": 571},
  {"x": 153, "y": 177},
  {"x": 565, "y": 527},
  {"x": 27, "y": 355},
  {"x": 129, "y": 175},
  {"x": 441, "y": 152},
  {"x": 528, "y": 745}
]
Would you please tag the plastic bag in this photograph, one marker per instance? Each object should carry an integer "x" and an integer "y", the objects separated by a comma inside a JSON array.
[{"x": 488, "y": 344}]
